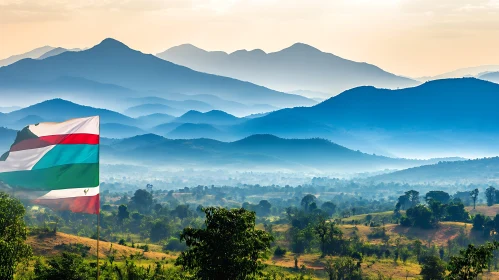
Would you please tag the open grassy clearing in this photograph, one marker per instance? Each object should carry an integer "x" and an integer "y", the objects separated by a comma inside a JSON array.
[
  {"x": 47, "y": 246},
  {"x": 490, "y": 211}
]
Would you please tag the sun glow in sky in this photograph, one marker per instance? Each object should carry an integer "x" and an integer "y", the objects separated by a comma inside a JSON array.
[{"x": 406, "y": 37}]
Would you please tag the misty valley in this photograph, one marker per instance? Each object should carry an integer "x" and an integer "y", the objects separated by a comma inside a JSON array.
[{"x": 195, "y": 164}]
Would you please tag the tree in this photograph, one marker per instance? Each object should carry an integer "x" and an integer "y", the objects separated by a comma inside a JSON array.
[
  {"x": 418, "y": 249},
  {"x": 421, "y": 216},
  {"x": 343, "y": 268},
  {"x": 490, "y": 193},
  {"x": 329, "y": 207},
  {"x": 307, "y": 200},
  {"x": 142, "y": 200},
  {"x": 265, "y": 206},
  {"x": 402, "y": 203},
  {"x": 160, "y": 230},
  {"x": 433, "y": 268},
  {"x": 182, "y": 211},
  {"x": 471, "y": 262},
  {"x": 474, "y": 196},
  {"x": 228, "y": 247},
  {"x": 123, "y": 213},
  {"x": 413, "y": 197},
  {"x": 68, "y": 266},
  {"x": 322, "y": 230},
  {"x": 13, "y": 235},
  {"x": 478, "y": 222},
  {"x": 439, "y": 196},
  {"x": 456, "y": 212},
  {"x": 437, "y": 208}
]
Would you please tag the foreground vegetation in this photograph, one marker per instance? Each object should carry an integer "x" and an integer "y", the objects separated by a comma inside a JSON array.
[{"x": 263, "y": 233}]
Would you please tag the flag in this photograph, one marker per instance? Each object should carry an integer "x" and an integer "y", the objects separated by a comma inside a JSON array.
[{"x": 56, "y": 165}]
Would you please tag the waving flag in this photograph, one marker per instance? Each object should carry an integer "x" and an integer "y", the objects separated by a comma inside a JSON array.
[{"x": 55, "y": 164}]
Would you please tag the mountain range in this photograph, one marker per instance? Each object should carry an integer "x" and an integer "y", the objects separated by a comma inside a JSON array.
[
  {"x": 453, "y": 117},
  {"x": 113, "y": 64},
  {"x": 298, "y": 67},
  {"x": 491, "y": 76},
  {"x": 34, "y": 54},
  {"x": 442, "y": 118},
  {"x": 485, "y": 170},
  {"x": 467, "y": 72},
  {"x": 257, "y": 152}
]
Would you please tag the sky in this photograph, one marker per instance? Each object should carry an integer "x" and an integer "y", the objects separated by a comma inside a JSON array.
[{"x": 407, "y": 37}]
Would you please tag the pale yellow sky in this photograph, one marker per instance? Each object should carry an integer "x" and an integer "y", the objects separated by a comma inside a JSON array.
[{"x": 406, "y": 37}]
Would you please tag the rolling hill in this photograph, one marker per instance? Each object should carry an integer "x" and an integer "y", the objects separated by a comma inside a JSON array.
[
  {"x": 214, "y": 117},
  {"x": 7, "y": 137},
  {"x": 491, "y": 77},
  {"x": 36, "y": 53},
  {"x": 152, "y": 120},
  {"x": 116, "y": 130},
  {"x": 112, "y": 62},
  {"x": 298, "y": 67},
  {"x": 454, "y": 117},
  {"x": 484, "y": 170},
  {"x": 57, "y": 110},
  {"x": 182, "y": 105},
  {"x": 257, "y": 152},
  {"x": 462, "y": 73},
  {"x": 147, "y": 109},
  {"x": 194, "y": 131}
]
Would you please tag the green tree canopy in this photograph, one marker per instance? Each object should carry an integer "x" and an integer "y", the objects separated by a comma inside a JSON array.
[
  {"x": 433, "y": 268},
  {"x": 228, "y": 247},
  {"x": 13, "y": 235},
  {"x": 471, "y": 262}
]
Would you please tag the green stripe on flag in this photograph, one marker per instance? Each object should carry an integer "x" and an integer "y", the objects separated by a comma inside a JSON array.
[{"x": 67, "y": 176}]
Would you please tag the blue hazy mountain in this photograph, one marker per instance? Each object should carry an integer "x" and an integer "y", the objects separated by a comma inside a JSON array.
[
  {"x": 78, "y": 90},
  {"x": 7, "y": 137},
  {"x": 214, "y": 117},
  {"x": 255, "y": 152},
  {"x": 462, "y": 73},
  {"x": 491, "y": 77},
  {"x": 451, "y": 117},
  {"x": 298, "y": 67},
  {"x": 147, "y": 109},
  {"x": 112, "y": 62},
  {"x": 183, "y": 105},
  {"x": 57, "y": 110},
  {"x": 485, "y": 170},
  {"x": 28, "y": 120},
  {"x": 165, "y": 128},
  {"x": 56, "y": 51},
  {"x": 9, "y": 109},
  {"x": 153, "y": 120},
  {"x": 195, "y": 130},
  {"x": 116, "y": 130},
  {"x": 36, "y": 53},
  {"x": 235, "y": 108}
]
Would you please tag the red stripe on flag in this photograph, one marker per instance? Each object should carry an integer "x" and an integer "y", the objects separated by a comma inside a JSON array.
[
  {"x": 63, "y": 139},
  {"x": 79, "y": 204}
]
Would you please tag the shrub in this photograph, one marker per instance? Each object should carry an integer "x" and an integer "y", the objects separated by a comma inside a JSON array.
[
  {"x": 279, "y": 252},
  {"x": 174, "y": 244}
]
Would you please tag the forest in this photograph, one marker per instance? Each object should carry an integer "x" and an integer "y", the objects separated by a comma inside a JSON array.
[{"x": 311, "y": 231}]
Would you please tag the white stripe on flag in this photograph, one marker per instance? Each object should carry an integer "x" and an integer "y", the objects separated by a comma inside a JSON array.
[
  {"x": 23, "y": 160},
  {"x": 83, "y": 125},
  {"x": 67, "y": 193}
]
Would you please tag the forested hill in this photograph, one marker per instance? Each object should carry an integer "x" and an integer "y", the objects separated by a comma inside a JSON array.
[{"x": 478, "y": 170}]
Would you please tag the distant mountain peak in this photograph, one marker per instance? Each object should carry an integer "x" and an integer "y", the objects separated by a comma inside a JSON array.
[
  {"x": 301, "y": 47},
  {"x": 110, "y": 43}
]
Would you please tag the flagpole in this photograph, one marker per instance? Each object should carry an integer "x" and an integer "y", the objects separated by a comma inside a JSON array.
[
  {"x": 98, "y": 232},
  {"x": 98, "y": 212}
]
